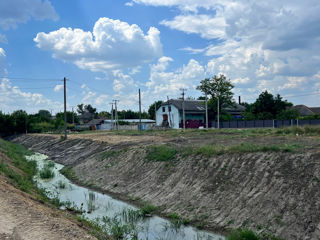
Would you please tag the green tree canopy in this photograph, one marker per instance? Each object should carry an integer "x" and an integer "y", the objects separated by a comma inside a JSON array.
[
  {"x": 218, "y": 87},
  {"x": 45, "y": 115},
  {"x": 268, "y": 106},
  {"x": 151, "y": 109}
]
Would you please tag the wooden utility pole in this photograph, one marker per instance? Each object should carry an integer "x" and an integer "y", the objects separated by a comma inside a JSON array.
[
  {"x": 218, "y": 111},
  {"x": 65, "y": 108},
  {"x": 139, "y": 110},
  {"x": 155, "y": 112},
  {"x": 116, "y": 114},
  {"x": 72, "y": 116},
  {"x": 184, "y": 116},
  {"x": 207, "y": 123},
  {"x": 112, "y": 123}
]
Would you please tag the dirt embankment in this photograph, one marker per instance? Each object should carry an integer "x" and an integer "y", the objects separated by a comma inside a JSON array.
[
  {"x": 24, "y": 218},
  {"x": 278, "y": 192}
]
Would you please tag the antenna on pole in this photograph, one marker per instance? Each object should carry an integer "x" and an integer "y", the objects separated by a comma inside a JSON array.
[{"x": 183, "y": 111}]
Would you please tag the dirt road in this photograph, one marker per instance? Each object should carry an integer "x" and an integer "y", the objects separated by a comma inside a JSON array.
[{"x": 22, "y": 218}]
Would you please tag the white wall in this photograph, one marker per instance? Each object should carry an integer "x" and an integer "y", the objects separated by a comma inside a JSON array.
[{"x": 175, "y": 116}]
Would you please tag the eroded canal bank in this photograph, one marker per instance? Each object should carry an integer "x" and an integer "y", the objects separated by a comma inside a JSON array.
[
  {"x": 111, "y": 214},
  {"x": 275, "y": 192}
]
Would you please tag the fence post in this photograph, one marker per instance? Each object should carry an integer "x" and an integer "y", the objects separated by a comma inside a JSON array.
[
  {"x": 297, "y": 122},
  {"x": 291, "y": 123},
  {"x": 272, "y": 123}
]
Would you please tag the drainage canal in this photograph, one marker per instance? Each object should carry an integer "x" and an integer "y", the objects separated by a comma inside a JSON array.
[{"x": 111, "y": 213}]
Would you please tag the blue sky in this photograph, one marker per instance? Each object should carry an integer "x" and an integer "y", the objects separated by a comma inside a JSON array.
[{"x": 110, "y": 49}]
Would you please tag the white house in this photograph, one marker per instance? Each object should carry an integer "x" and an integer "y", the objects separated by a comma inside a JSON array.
[{"x": 170, "y": 113}]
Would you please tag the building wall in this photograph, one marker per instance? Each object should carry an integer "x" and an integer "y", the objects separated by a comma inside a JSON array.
[
  {"x": 195, "y": 117},
  {"x": 175, "y": 116}
]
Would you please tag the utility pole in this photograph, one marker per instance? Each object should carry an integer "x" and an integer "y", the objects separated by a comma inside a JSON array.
[
  {"x": 116, "y": 114},
  {"x": 183, "y": 111},
  {"x": 207, "y": 112},
  {"x": 65, "y": 108},
  {"x": 112, "y": 124},
  {"x": 218, "y": 111},
  {"x": 155, "y": 112},
  {"x": 139, "y": 110},
  {"x": 72, "y": 116}
]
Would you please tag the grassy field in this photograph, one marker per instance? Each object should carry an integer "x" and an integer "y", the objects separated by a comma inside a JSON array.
[{"x": 305, "y": 130}]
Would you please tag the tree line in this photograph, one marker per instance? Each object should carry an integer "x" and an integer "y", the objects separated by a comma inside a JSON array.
[
  {"x": 21, "y": 122},
  {"x": 266, "y": 106}
]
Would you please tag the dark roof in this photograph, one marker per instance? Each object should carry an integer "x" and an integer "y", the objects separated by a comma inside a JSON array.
[
  {"x": 189, "y": 105},
  {"x": 85, "y": 116},
  {"x": 316, "y": 110},
  {"x": 95, "y": 122},
  {"x": 235, "y": 108},
  {"x": 304, "y": 110}
]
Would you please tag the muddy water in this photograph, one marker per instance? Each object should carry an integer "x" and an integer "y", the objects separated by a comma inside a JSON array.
[{"x": 96, "y": 206}]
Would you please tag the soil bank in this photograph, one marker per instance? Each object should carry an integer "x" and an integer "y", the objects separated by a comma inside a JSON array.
[{"x": 275, "y": 192}]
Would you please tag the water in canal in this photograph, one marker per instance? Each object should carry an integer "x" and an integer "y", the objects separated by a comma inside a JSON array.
[{"x": 103, "y": 208}]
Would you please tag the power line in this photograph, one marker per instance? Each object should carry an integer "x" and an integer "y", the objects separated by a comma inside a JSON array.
[
  {"x": 34, "y": 88},
  {"x": 31, "y": 79}
]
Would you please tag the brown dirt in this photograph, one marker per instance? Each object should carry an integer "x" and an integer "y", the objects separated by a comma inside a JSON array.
[
  {"x": 274, "y": 191},
  {"x": 24, "y": 218}
]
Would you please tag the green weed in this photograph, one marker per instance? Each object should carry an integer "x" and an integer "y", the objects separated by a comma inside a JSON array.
[
  {"x": 160, "y": 153},
  {"x": 69, "y": 173},
  {"x": 46, "y": 172}
]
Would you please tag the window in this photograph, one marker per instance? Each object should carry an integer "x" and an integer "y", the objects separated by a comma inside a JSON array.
[
  {"x": 163, "y": 109},
  {"x": 169, "y": 108}
]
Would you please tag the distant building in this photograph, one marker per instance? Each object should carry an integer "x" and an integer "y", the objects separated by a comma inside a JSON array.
[
  {"x": 95, "y": 124},
  {"x": 128, "y": 124},
  {"x": 170, "y": 113},
  {"x": 307, "y": 111},
  {"x": 85, "y": 117}
]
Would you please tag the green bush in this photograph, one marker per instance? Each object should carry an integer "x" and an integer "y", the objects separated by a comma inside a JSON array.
[
  {"x": 46, "y": 173},
  {"x": 148, "y": 208},
  {"x": 160, "y": 153},
  {"x": 242, "y": 234}
]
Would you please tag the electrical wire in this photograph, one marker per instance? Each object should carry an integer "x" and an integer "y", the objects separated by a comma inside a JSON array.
[{"x": 31, "y": 79}]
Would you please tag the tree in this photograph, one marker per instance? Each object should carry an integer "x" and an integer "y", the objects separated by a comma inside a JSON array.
[
  {"x": 288, "y": 114},
  {"x": 70, "y": 117},
  {"x": 151, "y": 109},
  {"x": 217, "y": 87},
  {"x": 19, "y": 118},
  {"x": 45, "y": 115},
  {"x": 104, "y": 114},
  {"x": 268, "y": 106},
  {"x": 90, "y": 109},
  {"x": 80, "y": 109}
]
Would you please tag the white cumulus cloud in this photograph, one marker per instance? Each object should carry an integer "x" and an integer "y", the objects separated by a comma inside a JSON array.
[
  {"x": 13, "y": 98},
  {"x": 58, "y": 88},
  {"x": 262, "y": 45},
  {"x": 13, "y": 12},
  {"x": 214, "y": 27},
  {"x": 111, "y": 45}
]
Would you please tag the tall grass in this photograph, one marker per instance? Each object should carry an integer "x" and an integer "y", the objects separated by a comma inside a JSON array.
[
  {"x": 212, "y": 150},
  {"x": 160, "y": 153},
  {"x": 247, "y": 234},
  {"x": 46, "y": 172},
  {"x": 16, "y": 154}
]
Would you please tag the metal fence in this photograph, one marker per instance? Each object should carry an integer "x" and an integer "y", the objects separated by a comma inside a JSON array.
[{"x": 263, "y": 123}]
